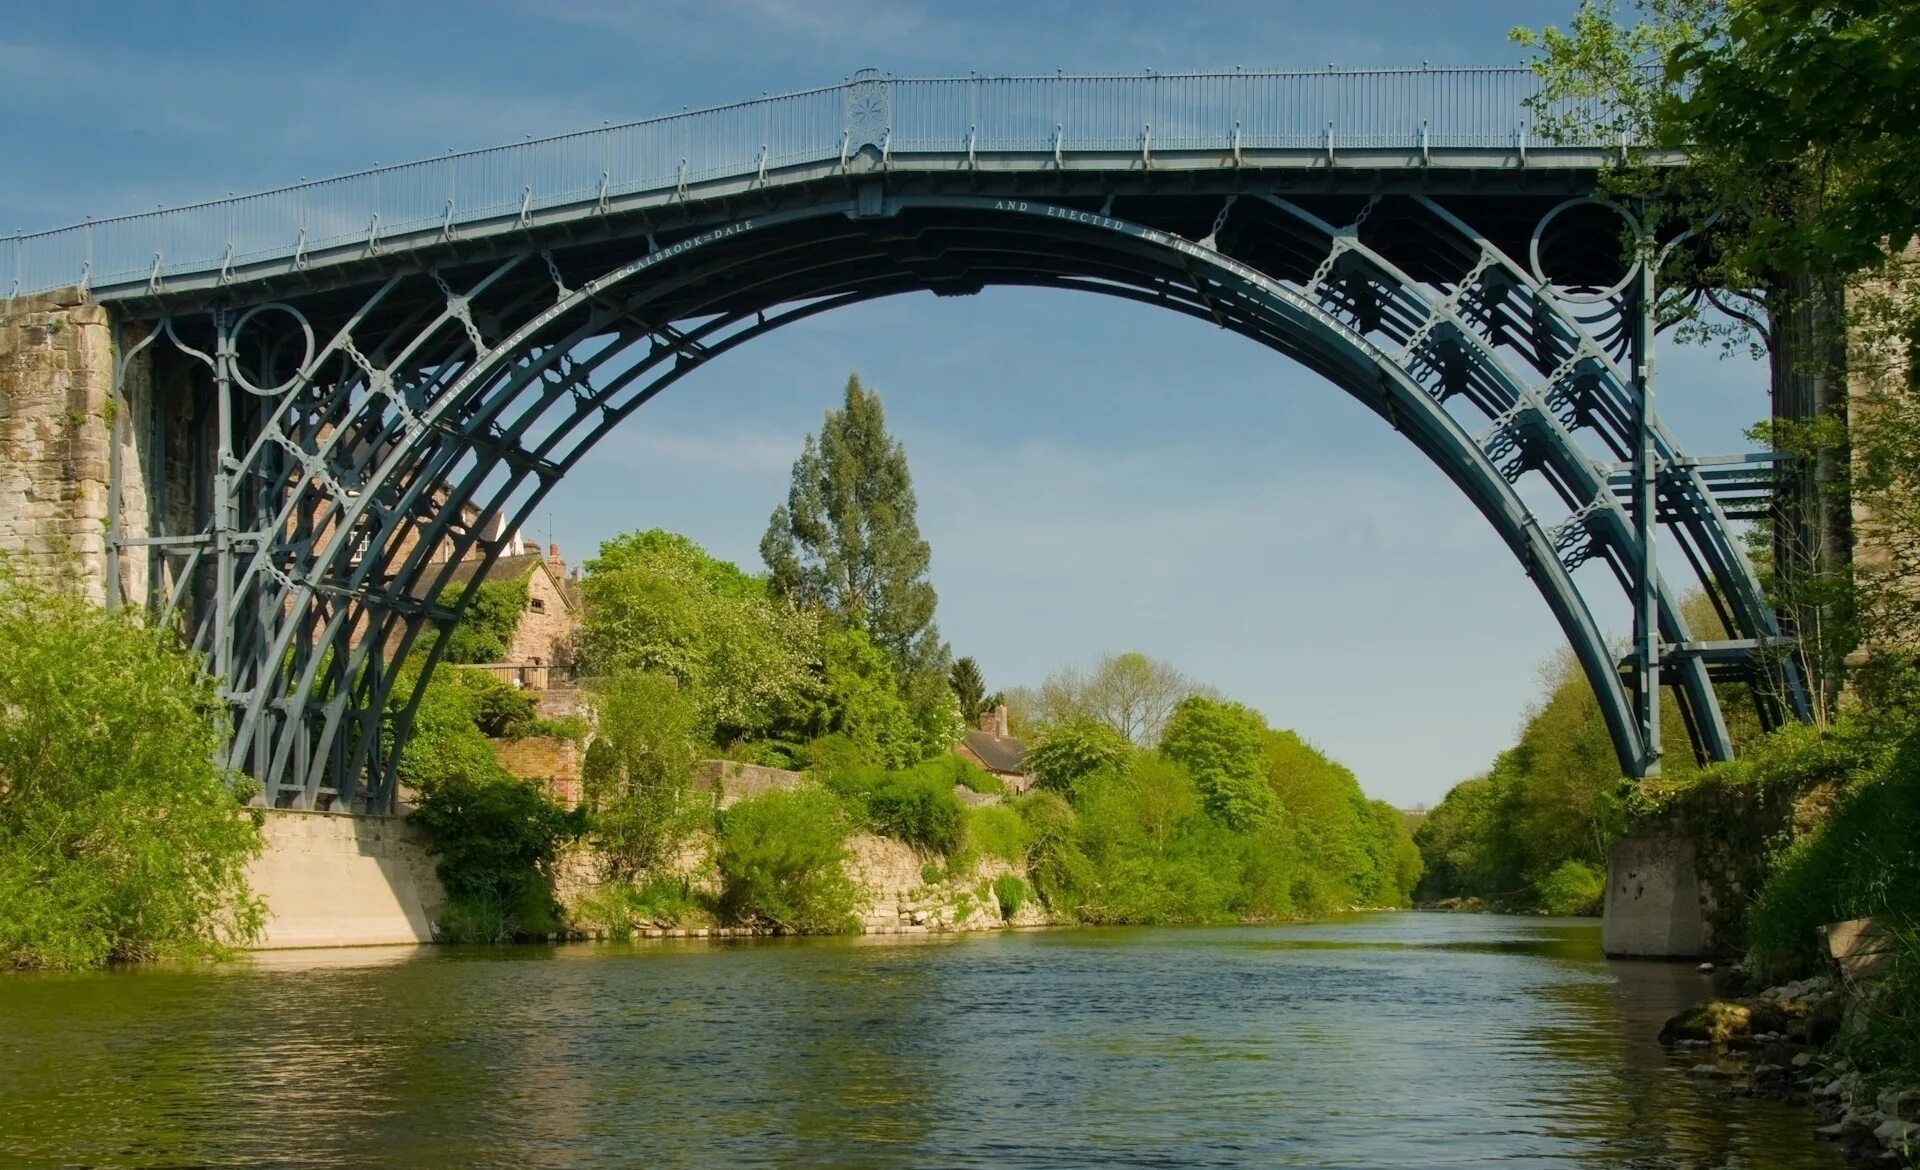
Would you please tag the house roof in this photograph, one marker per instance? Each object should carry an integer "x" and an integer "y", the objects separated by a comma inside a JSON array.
[
  {"x": 1000, "y": 753},
  {"x": 504, "y": 569}
]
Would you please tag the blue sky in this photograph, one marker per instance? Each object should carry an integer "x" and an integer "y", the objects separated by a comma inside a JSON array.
[{"x": 1094, "y": 476}]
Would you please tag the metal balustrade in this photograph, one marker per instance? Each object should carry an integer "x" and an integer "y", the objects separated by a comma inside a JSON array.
[{"x": 967, "y": 117}]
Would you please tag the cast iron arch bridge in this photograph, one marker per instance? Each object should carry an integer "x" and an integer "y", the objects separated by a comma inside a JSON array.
[{"x": 409, "y": 358}]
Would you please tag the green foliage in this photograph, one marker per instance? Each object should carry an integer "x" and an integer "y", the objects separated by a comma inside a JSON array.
[
  {"x": 847, "y": 541},
  {"x": 1573, "y": 888},
  {"x": 638, "y": 775},
  {"x": 496, "y": 837},
  {"x": 1009, "y": 893},
  {"x": 916, "y": 805},
  {"x": 1859, "y": 861},
  {"x": 996, "y": 831},
  {"x": 120, "y": 839},
  {"x": 1220, "y": 744},
  {"x": 1555, "y": 796},
  {"x": 780, "y": 861},
  {"x": 500, "y": 711},
  {"x": 1354, "y": 851},
  {"x": 485, "y": 631},
  {"x": 662, "y": 900},
  {"x": 656, "y": 602},
  {"x": 1075, "y": 750},
  {"x": 860, "y": 698}
]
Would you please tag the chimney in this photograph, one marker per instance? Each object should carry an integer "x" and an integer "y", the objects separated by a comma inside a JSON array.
[
  {"x": 555, "y": 564},
  {"x": 994, "y": 722}
]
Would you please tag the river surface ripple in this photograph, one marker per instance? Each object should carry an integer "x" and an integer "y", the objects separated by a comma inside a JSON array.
[{"x": 1385, "y": 1040}]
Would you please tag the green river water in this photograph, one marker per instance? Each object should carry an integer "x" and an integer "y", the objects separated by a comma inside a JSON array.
[{"x": 1384, "y": 1040}]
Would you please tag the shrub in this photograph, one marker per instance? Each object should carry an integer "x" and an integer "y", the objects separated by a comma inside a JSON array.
[
  {"x": 1010, "y": 893},
  {"x": 638, "y": 775},
  {"x": 996, "y": 831},
  {"x": 617, "y": 907},
  {"x": 965, "y": 774},
  {"x": 120, "y": 838},
  {"x": 496, "y": 837},
  {"x": 1859, "y": 861},
  {"x": 917, "y": 808},
  {"x": 916, "y": 805},
  {"x": 499, "y": 711},
  {"x": 781, "y": 863},
  {"x": 1574, "y": 888}
]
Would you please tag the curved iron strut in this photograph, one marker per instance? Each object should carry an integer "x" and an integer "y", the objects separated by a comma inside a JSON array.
[{"x": 368, "y": 438}]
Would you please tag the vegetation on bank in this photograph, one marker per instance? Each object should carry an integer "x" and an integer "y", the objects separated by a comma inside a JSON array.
[
  {"x": 120, "y": 837},
  {"x": 1160, "y": 803}
]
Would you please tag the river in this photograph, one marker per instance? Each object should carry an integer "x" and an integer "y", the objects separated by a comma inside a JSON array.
[{"x": 1384, "y": 1040}]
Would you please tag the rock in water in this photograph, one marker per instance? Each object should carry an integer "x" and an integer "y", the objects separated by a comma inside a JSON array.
[{"x": 1715, "y": 1021}]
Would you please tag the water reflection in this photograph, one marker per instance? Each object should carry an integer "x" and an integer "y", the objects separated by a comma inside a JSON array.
[{"x": 1383, "y": 1040}]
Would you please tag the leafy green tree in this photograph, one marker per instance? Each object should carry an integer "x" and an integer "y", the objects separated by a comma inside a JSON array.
[
  {"x": 657, "y": 602},
  {"x": 1073, "y": 751},
  {"x": 969, "y": 688},
  {"x": 847, "y": 539},
  {"x": 855, "y": 698},
  {"x": 638, "y": 779},
  {"x": 484, "y": 632},
  {"x": 120, "y": 838},
  {"x": 1220, "y": 743}
]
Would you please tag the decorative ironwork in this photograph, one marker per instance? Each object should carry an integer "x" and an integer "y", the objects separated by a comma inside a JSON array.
[{"x": 389, "y": 416}]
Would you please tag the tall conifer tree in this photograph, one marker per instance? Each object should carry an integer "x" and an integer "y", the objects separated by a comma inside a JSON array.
[{"x": 847, "y": 540}]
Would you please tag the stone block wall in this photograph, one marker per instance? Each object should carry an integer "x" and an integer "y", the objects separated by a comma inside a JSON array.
[
  {"x": 58, "y": 429},
  {"x": 56, "y": 383},
  {"x": 737, "y": 782},
  {"x": 552, "y": 761}
]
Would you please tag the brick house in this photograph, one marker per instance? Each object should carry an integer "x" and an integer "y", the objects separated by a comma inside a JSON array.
[
  {"x": 993, "y": 750},
  {"x": 542, "y": 643}
]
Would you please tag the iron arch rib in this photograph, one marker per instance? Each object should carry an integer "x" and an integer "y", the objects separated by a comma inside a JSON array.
[{"x": 491, "y": 419}]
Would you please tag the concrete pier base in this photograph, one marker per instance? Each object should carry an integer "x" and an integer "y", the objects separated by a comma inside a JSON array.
[
  {"x": 1653, "y": 906},
  {"x": 344, "y": 881}
]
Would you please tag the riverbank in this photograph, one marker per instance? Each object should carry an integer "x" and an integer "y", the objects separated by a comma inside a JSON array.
[{"x": 1784, "y": 1042}]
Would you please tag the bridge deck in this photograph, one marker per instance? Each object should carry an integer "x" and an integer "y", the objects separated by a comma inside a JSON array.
[{"x": 1351, "y": 128}]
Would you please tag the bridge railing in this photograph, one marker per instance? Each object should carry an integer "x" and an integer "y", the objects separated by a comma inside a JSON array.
[{"x": 1403, "y": 109}]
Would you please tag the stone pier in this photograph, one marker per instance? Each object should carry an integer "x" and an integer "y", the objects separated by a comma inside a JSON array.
[{"x": 1653, "y": 902}]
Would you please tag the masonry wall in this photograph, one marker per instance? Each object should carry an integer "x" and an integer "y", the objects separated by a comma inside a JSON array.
[
  {"x": 552, "y": 761},
  {"x": 56, "y": 378},
  {"x": 339, "y": 881}
]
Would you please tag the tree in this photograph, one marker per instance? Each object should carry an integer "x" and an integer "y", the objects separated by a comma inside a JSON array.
[
  {"x": 657, "y": 602},
  {"x": 120, "y": 837},
  {"x": 1074, "y": 750},
  {"x": 1220, "y": 743},
  {"x": 969, "y": 688},
  {"x": 485, "y": 630},
  {"x": 847, "y": 541},
  {"x": 1131, "y": 693}
]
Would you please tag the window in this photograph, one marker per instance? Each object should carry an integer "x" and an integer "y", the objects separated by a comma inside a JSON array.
[{"x": 537, "y": 604}]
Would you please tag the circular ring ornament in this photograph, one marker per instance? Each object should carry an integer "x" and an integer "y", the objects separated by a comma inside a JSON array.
[
  {"x": 299, "y": 372},
  {"x": 1585, "y": 298}
]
